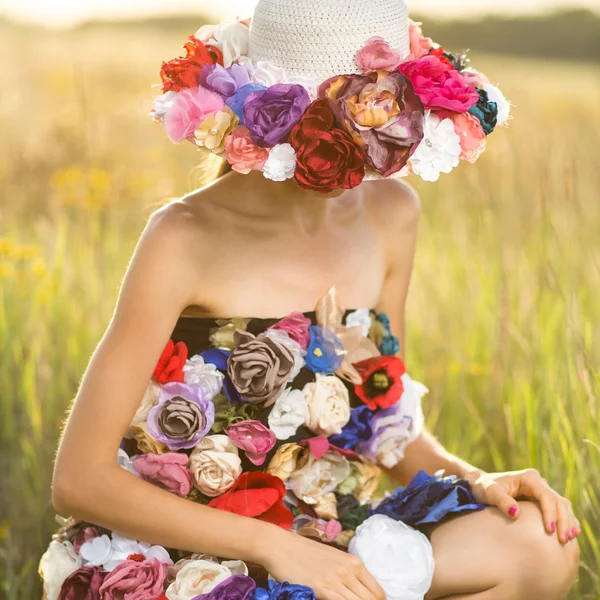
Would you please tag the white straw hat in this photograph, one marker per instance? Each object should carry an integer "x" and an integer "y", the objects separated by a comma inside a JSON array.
[{"x": 321, "y": 38}]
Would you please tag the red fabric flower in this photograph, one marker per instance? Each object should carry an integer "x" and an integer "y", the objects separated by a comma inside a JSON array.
[
  {"x": 329, "y": 158},
  {"x": 184, "y": 72},
  {"x": 170, "y": 364},
  {"x": 258, "y": 495},
  {"x": 382, "y": 381},
  {"x": 439, "y": 52}
]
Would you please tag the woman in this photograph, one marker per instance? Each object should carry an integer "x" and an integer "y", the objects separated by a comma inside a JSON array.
[{"x": 257, "y": 244}]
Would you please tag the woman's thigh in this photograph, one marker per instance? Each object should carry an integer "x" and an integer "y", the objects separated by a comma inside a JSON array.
[{"x": 495, "y": 558}]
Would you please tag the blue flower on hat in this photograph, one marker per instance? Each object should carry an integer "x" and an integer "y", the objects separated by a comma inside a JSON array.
[
  {"x": 325, "y": 352},
  {"x": 486, "y": 112},
  {"x": 238, "y": 100}
]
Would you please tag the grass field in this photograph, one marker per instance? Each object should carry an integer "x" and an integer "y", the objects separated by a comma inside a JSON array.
[{"x": 504, "y": 316}]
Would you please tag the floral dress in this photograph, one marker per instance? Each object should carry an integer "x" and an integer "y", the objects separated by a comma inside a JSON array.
[{"x": 282, "y": 420}]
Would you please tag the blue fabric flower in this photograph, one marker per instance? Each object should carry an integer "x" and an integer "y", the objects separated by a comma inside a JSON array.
[
  {"x": 428, "y": 499},
  {"x": 486, "y": 112},
  {"x": 390, "y": 345},
  {"x": 238, "y": 100},
  {"x": 325, "y": 352},
  {"x": 284, "y": 591},
  {"x": 218, "y": 357},
  {"x": 358, "y": 429}
]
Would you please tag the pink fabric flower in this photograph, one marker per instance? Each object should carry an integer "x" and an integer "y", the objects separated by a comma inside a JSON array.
[
  {"x": 189, "y": 109},
  {"x": 85, "y": 535},
  {"x": 243, "y": 154},
  {"x": 439, "y": 85},
  {"x": 253, "y": 438},
  {"x": 475, "y": 77},
  {"x": 297, "y": 327},
  {"x": 419, "y": 45},
  {"x": 331, "y": 528},
  {"x": 168, "y": 471},
  {"x": 472, "y": 136},
  {"x": 133, "y": 580},
  {"x": 378, "y": 55}
]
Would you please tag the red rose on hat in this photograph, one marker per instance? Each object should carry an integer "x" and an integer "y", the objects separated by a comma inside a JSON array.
[
  {"x": 382, "y": 383},
  {"x": 328, "y": 157}
]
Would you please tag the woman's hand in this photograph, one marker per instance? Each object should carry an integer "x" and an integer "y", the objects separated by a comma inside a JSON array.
[
  {"x": 501, "y": 490},
  {"x": 331, "y": 573}
]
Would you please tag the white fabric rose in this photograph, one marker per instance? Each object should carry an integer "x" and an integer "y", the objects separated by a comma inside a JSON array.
[
  {"x": 328, "y": 405},
  {"x": 57, "y": 563},
  {"x": 439, "y": 151},
  {"x": 281, "y": 164},
  {"x": 283, "y": 338},
  {"x": 149, "y": 401},
  {"x": 215, "y": 465},
  {"x": 399, "y": 557},
  {"x": 495, "y": 95},
  {"x": 125, "y": 462},
  {"x": 288, "y": 414},
  {"x": 207, "y": 376},
  {"x": 232, "y": 38},
  {"x": 262, "y": 72},
  {"x": 162, "y": 104},
  {"x": 202, "y": 576},
  {"x": 315, "y": 478},
  {"x": 360, "y": 318}
]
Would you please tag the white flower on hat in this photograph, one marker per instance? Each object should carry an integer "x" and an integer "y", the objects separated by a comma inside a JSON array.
[
  {"x": 162, "y": 104},
  {"x": 197, "y": 371},
  {"x": 281, "y": 164},
  {"x": 399, "y": 557},
  {"x": 360, "y": 318},
  {"x": 495, "y": 95},
  {"x": 262, "y": 72},
  {"x": 289, "y": 413},
  {"x": 439, "y": 151},
  {"x": 232, "y": 38},
  {"x": 57, "y": 563}
]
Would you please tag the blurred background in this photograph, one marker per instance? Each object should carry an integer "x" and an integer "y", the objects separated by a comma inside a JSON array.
[{"x": 504, "y": 314}]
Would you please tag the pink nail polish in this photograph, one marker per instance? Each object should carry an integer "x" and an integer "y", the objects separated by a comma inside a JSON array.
[
  {"x": 553, "y": 527},
  {"x": 566, "y": 538},
  {"x": 513, "y": 511},
  {"x": 573, "y": 533}
]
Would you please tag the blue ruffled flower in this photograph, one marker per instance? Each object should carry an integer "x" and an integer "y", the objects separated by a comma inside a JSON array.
[
  {"x": 358, "y": 429},
  {"x": 238, "y": 100},
  {"x": 428, "y": 499},
  {"x": 325, "y": 352},
  {"x": 284, "y": 591},
  {"x": 486, "y": 112},
  {"x": 390, "y": 345}
]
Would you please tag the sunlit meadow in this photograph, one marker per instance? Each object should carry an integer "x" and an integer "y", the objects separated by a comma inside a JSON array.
[{"x": 505, "y": 304}]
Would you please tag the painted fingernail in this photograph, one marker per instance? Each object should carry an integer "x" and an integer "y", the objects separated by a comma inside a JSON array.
[
  {"x": 566, "y": 538},
  {"x": 553, "y": 527},
  {"x": 573, "y": 533},
  {"x": 513, "y": 511}
]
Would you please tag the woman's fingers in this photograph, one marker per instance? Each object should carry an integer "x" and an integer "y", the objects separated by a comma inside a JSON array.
[
  {"x": 497, "y": 497},
  {"x": 564, "y": 521},
  {"x": 549, "y": 510},
  {"x": 371, "y": 584}
]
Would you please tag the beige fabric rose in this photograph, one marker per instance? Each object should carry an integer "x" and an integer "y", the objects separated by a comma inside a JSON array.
[
  {"x": 222, "y": 336},
  {"x": 328, "y": 405},
  {"x": 283, "y": 463},
  {"x": 145, "y": 442},
  {"x": 149, "y": 401},
  {"x": 326, "y": 507},
  {"x": 259, "y": 367},
  {"x": 368, "y": 481},
  {"x": 215, "y": 465}
]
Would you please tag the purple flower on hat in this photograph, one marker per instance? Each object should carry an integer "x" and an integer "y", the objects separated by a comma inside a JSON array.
[
  {"x": 237, "y": 101},
  {"x": 271, "y": 114},
  {"x": 182, "y": 417},
  {"x": 224, "y": 81}
]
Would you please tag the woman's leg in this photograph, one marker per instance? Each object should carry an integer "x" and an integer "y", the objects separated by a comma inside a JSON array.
[{"x": 486, "y": 556}]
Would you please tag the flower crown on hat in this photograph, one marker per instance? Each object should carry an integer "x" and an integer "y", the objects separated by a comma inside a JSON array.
[{"x": 420, "y": 114}]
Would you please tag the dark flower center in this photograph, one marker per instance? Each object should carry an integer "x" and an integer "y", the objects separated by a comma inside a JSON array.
[{"x": 379, "y": 383}]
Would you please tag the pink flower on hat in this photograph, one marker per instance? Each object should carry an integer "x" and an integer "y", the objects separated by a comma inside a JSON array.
[
  {"x": 472, "y": 136},
  {"x": 378, "y": 55},
  {"x": 242, "y": 153},
  {"x": 419, "y": 44}
]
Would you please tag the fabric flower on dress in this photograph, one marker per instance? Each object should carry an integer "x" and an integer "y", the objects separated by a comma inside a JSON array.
[
  {"x": 237, "y": 587},
  {"x": 259, "y": 367},
  {"x": 382, "y": 381},
  {"x": 220, "y": 358},
  {"x": 360, "y": 318},
  {"x": 135, "y": 580},
  {"x": 189, "y": 109},
  {"x": 389, "y": 344},
  {"x": 440, "y": 150},
  {"x": 358, "y": 429},
  {"x": 284, "y": 461},
  {"x": 328, "y": 157},
  {"x": 83, "y": 584},
  {"x": 398, "y": 557},
  {"x": 378, "y": 55},
  {"x": 215, "y": 465},
  {"x": 486, "y": 112},
  {"x": 237, "y": 101},
  {"x": 213, "y": 130},
  {"x": 207, "y": 376},
  {"x": 242, "y": 153},
  {"x": 384, "y": 111},
  {"x": 284, "y": 591},
  {"x": 125, "y": 462},
  {"x": 168, "y": 471},
  {"x": 182, "y": 417},
  {"x": 283, "y": 338},
  {"x": 253, "y": 438},
  {"x": 325, "y": 352},
  {"x": 182, "y": 73},
  {"x": 497, "y": 97},
  {"x": 281, "y": 164},
  {"x": 314, "y": 478},
  {"x": 472, "y": 136},
  {"x": 419, "y": 44},
  {"x": 170, "y": 364},
  {"x": 288, "y": 414},
  {"x": 222, "y": 336},
  {"x": 146, "y": 444},
  {"x": 58, "y": 562},
  {"x": 297, "y": 326},
  {"x": 257, "y": 495},
  {"x": 149, "y": 401},
  {"x": 84, "y": 535},
  {"x": 225, "y": 82},
  {"x": 428, "y": 499},
  {"x": 271, "y": 114},
  {"x": 328, "y": 405},
  {"x": 231, "y": 38},
  {"x": 321, "y": 529},
  {"x": 439, "y": 85}
]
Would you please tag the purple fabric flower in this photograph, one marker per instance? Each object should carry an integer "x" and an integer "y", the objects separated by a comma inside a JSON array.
[
  {"x": 182, "y": 417},
  {"x": 237, "y": 587},
  {"x": 271, "y": 114},
  {"x": 224, "y": 81},
  {"x": 238, "y": 100}
]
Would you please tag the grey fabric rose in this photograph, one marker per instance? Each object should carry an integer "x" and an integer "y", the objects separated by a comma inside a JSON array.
[
  {"x": 259, "y": 367},
  {"x": 180, "y": 419}
]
